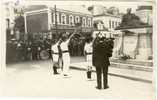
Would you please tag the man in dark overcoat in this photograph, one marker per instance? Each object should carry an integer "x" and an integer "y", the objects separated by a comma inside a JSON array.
[{"x": 102, "y": 50}]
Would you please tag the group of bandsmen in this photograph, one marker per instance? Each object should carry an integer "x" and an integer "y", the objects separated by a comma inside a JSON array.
[
  {"x": 97, "y": 51},
  {"x": 19, "y": 50},
  {"x": 76, "y": 47}
]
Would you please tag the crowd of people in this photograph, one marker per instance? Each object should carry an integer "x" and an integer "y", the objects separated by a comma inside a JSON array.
[
  {"x": 76, "y": 47},
  {"x": 19, "y": 50}
]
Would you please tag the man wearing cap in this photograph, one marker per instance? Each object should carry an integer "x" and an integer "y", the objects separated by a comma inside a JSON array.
[{"x": 102, "y": 50}]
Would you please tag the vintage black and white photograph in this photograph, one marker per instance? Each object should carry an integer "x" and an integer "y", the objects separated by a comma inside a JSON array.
[{"x": 78, "y": 49}]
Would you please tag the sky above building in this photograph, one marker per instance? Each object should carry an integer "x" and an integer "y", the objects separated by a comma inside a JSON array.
[
  {"x": 78, "y": 5},
  {"x": 81, "y": 6},
  {"x": 84, "y": 8}
]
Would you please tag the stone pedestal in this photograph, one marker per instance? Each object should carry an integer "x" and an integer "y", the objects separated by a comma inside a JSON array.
[
  {"x": 144, "y": 53},
  {"x": 137, "y": 43}
]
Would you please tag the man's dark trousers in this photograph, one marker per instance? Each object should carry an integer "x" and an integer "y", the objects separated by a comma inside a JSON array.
[{"x": 102, "y": 70}]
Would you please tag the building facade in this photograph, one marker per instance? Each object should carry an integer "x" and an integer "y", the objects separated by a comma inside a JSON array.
[
  {"x": 43, "y": 21},
  {"x": 10, "y": 17},
  {"x": 13, "y": 12},
  {"x": 109, "y": 21},
  {"x": 45, "y": 18},
  {"x": 145, "y": 14},
  {"x": 104, "y": 21},
  {"x": 145, "y": 48},
  {"x": 133, "y": 41}
]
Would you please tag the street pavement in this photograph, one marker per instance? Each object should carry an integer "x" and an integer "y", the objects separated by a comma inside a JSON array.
[
  {"x": 129, "y": 71},
  {"x": 35, "y": 78},
  {"x": 133, "y": 74}
]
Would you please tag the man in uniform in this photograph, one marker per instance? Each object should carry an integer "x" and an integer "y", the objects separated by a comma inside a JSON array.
[
  {"x": 55, "y": 56},
  {"x": 102, "y": 50},
  {"x": 88, "y": 53},
  {"x": 65, "y": 52},
  {"x": 29, "y": 50}
]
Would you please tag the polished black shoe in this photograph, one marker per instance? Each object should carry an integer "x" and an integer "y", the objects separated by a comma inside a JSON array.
[
  {"x": 65, "y": 75},
  {"x": 55, "y": 73},
  {"x": 106, "y": 87},
  {"x": 98, "y": 87}
]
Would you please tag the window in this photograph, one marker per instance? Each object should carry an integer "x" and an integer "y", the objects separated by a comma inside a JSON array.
[
  {"x": 52, "y": 16},
  {"x": 89, "y": 22},
  {"x": 77, "y": 20},
  {"x": 63, "y": 19},
  {"x": 71, "y": 20},
  {"x": 115, "y": 24},
  {"x": 8, "y": 21},
  {"x": 110, "y": 23},
  {"x": 84, "y": 22},
  {"x": 118, "y": 23},
  {"x": 57, "y": 16},
  {"x": 100, "y": 26}
]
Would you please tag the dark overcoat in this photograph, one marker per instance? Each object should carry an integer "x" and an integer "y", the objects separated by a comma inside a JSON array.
[{"x": 102, "y": 50}]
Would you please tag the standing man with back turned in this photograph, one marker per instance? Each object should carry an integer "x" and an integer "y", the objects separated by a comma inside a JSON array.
[{"x": 102, "y": 50}]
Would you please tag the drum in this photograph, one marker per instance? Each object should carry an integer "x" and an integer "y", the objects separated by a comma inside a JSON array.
[{"x": 44, "y": 54}]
